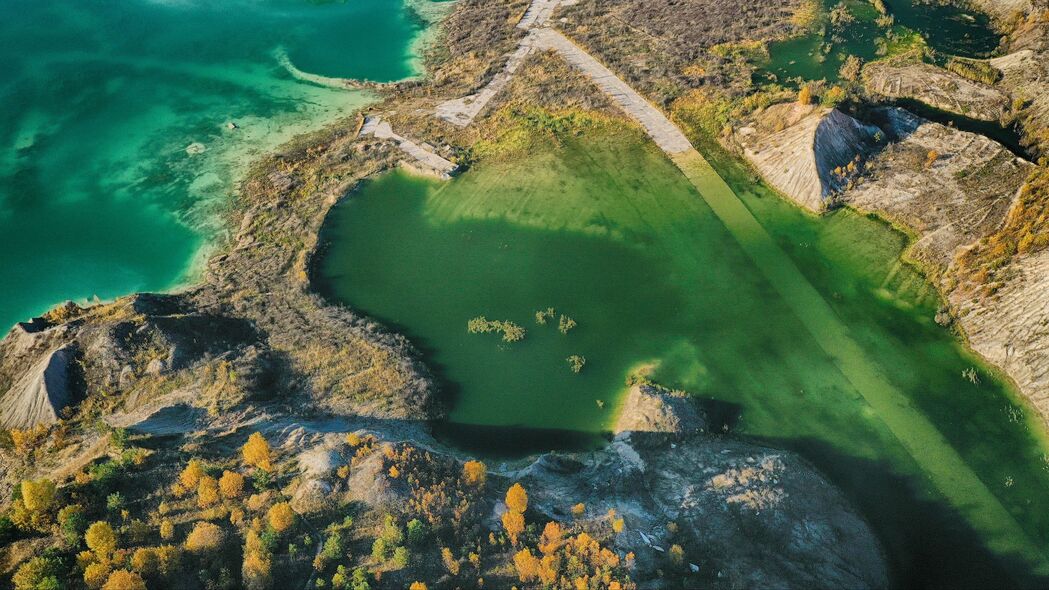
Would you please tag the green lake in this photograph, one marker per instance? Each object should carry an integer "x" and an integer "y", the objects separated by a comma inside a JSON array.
[
  {"x": 820, "y": 54},
  {"x": 654, "y": 279},
  {"x": 100, "y": 100}
]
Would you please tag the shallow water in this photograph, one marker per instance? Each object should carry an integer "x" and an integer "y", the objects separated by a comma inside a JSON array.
[
  {"x": 99, "y": 101},
  {"x": 945, "y": 28},
  {"x": 653, "y": 277}
]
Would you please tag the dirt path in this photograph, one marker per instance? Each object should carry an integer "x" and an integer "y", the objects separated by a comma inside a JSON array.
[{"x": 424, "y": 159}]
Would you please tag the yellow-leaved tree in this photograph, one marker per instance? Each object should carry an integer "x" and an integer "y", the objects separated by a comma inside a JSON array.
[
  {"x": 475, "y": 473},
  {"x": 231, "y": 484},
  {"x": 124, "y": 580},
  {"x": 101, "y": 539},
  {"x": 257, "y": 452},
  {"x": 517, "y": 498}
]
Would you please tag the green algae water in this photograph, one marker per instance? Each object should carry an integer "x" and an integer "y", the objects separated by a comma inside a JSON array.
[
  {"x": 819, "y": 55},
  {"x": 101, "y": 193},
  {"x": 654, "y": 279}
]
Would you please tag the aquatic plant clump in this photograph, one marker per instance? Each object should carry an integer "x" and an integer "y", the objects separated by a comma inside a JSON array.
[
  {"x": 481, "y": 325},
  {"x": 565, "y": 324},
  {"x": 576, "y": 363},
  {"x": 542, "y": 316}
]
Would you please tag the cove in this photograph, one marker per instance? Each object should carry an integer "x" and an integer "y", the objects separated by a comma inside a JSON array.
[
  {"x": 943, "y": 27},
  {"x": 653, "y": 278},
  {"x": 100, "y": 100}
]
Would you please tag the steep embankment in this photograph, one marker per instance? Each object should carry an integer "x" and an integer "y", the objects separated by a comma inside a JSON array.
[
  {"x": 805, "y": 151},
  {"x": 953, "y": 189}
]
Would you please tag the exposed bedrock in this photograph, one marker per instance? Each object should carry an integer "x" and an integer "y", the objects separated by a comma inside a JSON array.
[{"x": 749, "y": 516}]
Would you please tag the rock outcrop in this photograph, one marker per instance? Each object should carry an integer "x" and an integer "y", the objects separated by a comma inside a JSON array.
[
  {"x": 936, "y": 87},
  {"x": 806, "y": 152},
  {"x": 42, "y": 392},
  {"x": 950, "y": 186},
  {"x": 721, "y": 494}
]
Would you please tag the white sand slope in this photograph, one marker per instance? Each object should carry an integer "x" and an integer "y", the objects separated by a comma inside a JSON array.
[{"x": 41, "y": 393}]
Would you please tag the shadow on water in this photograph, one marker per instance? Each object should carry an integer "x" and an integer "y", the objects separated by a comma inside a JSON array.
[
  {"x": 1007, "y": 135},
  {"x": 927, "y": 543},
  {"x": 515, "y": 442}
]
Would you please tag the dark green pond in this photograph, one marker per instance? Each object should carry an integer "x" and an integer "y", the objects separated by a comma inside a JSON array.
[
  {"x": 819, "y": 55},
  {"x": 654, "y": 279}
]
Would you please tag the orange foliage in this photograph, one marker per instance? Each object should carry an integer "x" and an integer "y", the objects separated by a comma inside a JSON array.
[
  {"x": 517, "y": 498},
  {"x": 124, "y": 580},
  {"x": 281, "y": 517},
  {"x": 474, "y": 473},
  {"x": 514, "y": 524},
  {"x": 550, "y": 540},
  {"x": 231, "y": 484}
]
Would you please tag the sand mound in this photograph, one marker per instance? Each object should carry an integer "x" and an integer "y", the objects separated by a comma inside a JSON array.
[
  {"x": 41, "y": 393},
  {"x": 798, "y": 149}
]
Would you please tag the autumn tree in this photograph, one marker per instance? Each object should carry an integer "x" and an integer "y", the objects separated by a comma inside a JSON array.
[
  {"x": 145, "y": 561},
  {"x": 677, "y": 554},
  {"x": 257, "y": 452},
  {"x": 578, "y": 509},
  {"x": 514, "y": 524},
  {"x": 450, "y": 562},
  {"x": 36, "y": 574},
  {"x": 805, "y": 95},
  {"x": 207, "y": 491},
  {"x": 101, "y": 539},
  {"x": 96, "y": 574},
  {"x": 124, "y": 580},
  {"x": 190, "y": 476},
  {"x": 231, "y": 484},
  {"x": 167, "y": 529},
  {"x": 474, "y": 473},
  {"x": 550, "y": 540},
  {"x": 931, "y": 157},
  {"x": 205, "y": 536},
  {"x": 417, "y": 586},
  {"x": 33, "y": 511},
  {"x": 527, "y": 565},
  {"x": 517, "y": 498},
  {"x": 258, "y": 562},
  {"x": 850, "y": 68},
  {"x": 281, "y": 517}
]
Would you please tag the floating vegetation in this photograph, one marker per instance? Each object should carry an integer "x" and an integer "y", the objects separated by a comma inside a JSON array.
[
  {"x": 481, "y": 325},
  {"x": 576, "y": 363},
  {"x": 565, "y": 324},
  {"x": 542, "y": 316},
  {"x": 601, "y": 403},
  {"x": 971, "y": 375}
]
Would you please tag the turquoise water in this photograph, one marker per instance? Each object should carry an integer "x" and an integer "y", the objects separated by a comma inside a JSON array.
[{"x": 100, "y": 100}]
